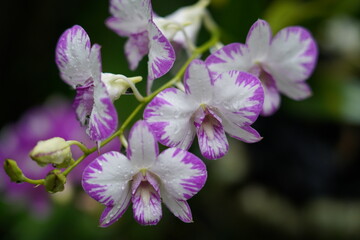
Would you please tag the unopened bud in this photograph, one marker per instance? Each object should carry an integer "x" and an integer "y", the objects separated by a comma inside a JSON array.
[
  {"x": 54, "y": 151},
  {"x": 55, "y": 181},
  {"x": 13, "y": 171}
]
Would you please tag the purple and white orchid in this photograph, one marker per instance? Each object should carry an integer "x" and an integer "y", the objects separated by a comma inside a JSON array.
[
  {"x": 80, "y": 67},
  {"x": 209, "y": 107},
  {"x": 282, "y": 63},
  {"x": 134, "y": 19},
  {"x": 146, "y": 178}
]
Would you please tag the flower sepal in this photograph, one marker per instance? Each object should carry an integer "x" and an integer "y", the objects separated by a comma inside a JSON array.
[{"x": 55, "y": 181}]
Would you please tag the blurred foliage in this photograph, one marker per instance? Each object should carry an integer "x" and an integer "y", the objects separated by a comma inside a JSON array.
[{"x": 300, "y": 182}]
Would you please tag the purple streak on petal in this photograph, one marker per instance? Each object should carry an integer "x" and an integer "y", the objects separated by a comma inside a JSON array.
[
  {"x": 211, "y": 135},
  {"x": 249, "y": 81},
  {"x": 103, "y": 122},
  {"x": 234, "y": 56},
  {"x": 161, "y": 54},
  {"x": 136, "y": 47},
  {"x": 83, "y": 103},
  {"x": 146, "y": 204}
]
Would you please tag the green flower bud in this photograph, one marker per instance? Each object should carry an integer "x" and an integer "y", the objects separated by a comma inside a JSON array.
[
  {"x": 13, "y": 171},
  {"x": 55, "y": 181},
  {"x": 52, "y": 151}
]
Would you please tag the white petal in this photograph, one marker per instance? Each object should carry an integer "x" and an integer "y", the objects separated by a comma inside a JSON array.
[
  {"x": 143, "y": 147},
  {"x": 129, "y": 17},
  {"x": 198, "y": 83},
  {"x": 182, "y": 174},
  {"x": 72, "y": 55},
  {"x": 161, "y": 54},
  {"x": 106, "y": 179},
  {"x": 179, "y": 208},
  {"x": 258, "y": 40},
  {"x": 234, "y": 56},
  {"x": 292, "y": 58},
  {"x": 239, "y": 101},
  {"x": 169, "y": 116},
  {"x": 103, "y": 120}
]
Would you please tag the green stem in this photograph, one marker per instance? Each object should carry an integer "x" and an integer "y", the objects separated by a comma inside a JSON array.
[{"x": 33, "y": 181}]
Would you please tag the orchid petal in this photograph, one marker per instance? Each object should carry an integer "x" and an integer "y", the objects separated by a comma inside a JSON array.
[
  {"x": 179, "y": 208},
  {"x": 239, "y": 103},
  {"x": 211, "y": 135},
  {"x": 143, "y": 147},
  {"x": 182, "y": 174},
  {"x": 198, "y": 83},
  {"x": 83, "y": 103},
  {"x": 234, "y": 56},
  {"x": 292, "y": 58},
  {"x": 72, "y": 54},
  {"x": 146, "y": 204},
  {"x": 161, "y": 54},
  {"x": 106, "y": 179},
  {"x": 271, "y": 94},
  {"x": 103, "y": 120},
  {"x": 129, "y": 17},
  {"x": 169, "y": 116},
  {"x": 258, "y": 40},
  {"x": 136, "y": 47}
]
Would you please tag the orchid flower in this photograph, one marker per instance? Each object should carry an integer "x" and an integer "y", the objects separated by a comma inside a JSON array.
[
  {"x": 209, "y": 108},
  {"x": 144, "y": 177},
  {"x": 282, "y": 63},
  {"x": 134, "y": 19},
  {"x": 80, "y": 67}
]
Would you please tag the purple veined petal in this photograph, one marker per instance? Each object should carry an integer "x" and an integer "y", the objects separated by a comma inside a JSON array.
[
  {"x": 143, "y": 147},
  {"x": 198, "y": 83},
  {"x": 234, "y": 56},
  {"x": 168, "y": 115},
  {"x": 106, "y": 179},
  {"x": 149, "y": 177},
  {"x": 136, "y": 47},
  {"x": 239, "y": 102},
  {"x": 271, "y": 94},
  {"x": 72, "y": 54},
  {"x": 103, "y": 120},
  {"x": 292, "y": 58},
  {"x": 161, "y": 54},
  {"x": 239, "y": 97},
  {"x": 179, "y": 208},
  {"x": 211, "y": 135},
  {"x": 258, "y": 40},
  {"x": 146, "y": 204},
  {"x": 182, "y": 174},
  {"x": 129, "y": 17},
  {"x": 83, "y": 103}
]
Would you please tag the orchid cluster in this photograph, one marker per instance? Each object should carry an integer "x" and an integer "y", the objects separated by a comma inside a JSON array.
[{"x": 221, "y": 95}]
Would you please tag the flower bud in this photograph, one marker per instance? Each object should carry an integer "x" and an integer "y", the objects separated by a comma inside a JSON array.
[
  {"x": 13, "y": 171},
  {"x": 116, "y": 84},
  {"x": 55, "y": 181},
  {"x": 52, "y": 151}
]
